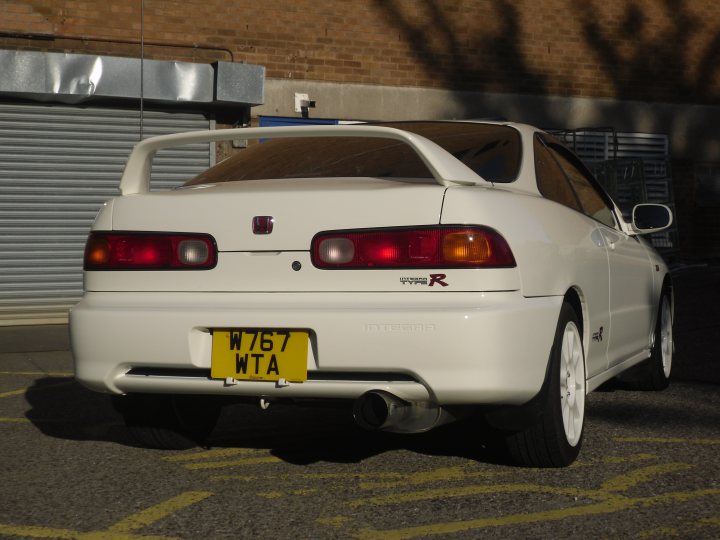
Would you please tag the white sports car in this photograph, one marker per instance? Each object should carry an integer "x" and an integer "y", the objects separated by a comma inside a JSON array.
[{"x": 419, "y": 270}]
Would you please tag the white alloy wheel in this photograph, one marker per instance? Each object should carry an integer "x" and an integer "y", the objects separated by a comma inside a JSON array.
[
  {"x": 572, "y": 383},
  {"x": 666, "y": 336},
  {"x": 553, "y": 438}
]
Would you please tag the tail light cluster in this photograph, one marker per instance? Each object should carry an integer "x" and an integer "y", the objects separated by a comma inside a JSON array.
[
  {"x": 414, "y": 247},
  {"x": 149, "y": 251}
]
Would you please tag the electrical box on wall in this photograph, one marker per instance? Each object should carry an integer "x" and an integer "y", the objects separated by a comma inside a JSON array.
[{"x": 299, "y": 99}]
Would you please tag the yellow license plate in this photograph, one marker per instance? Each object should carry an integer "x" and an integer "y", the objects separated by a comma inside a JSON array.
[{"x": 259, "y": 354}]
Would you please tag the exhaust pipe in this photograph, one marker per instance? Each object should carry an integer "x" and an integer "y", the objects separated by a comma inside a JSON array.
[{"x": 382, "y": 410}]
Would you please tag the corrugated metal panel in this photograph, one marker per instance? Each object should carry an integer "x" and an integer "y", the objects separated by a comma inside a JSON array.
[{"x": 58, "y": 165}]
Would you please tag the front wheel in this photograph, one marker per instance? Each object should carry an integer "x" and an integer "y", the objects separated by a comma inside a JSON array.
[
  {"x": 554, "y": 438},
  {"x": 659, "y": 365}
]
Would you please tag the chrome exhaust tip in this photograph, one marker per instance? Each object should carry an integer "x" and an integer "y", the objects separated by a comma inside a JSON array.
[{"x": 384, "y": 411}]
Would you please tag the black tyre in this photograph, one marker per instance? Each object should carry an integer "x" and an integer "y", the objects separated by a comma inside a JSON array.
[
  {"x": 553, "y": 439},
  {"x": 168, "y": 422}
]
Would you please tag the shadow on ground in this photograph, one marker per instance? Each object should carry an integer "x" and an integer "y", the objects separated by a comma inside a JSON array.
[{"x": 62, "y": 408}]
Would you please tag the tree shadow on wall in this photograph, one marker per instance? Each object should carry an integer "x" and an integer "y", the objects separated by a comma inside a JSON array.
[
  {"x": 476, "y": 61},
  {"x": 639, "y": 61},
  {"x": 649, "y": 65}
]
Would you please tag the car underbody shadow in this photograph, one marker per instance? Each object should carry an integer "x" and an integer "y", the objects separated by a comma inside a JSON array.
[{"x": 62, "y": 408}]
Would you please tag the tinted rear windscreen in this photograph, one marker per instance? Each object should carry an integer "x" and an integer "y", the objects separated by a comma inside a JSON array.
[{"x": 492, "y": 151}]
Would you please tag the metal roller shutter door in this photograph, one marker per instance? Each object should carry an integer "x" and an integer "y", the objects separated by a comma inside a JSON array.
[{"x": 58, "y": 165}]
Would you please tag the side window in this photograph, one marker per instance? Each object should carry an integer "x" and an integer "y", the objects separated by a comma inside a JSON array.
[
  {"x": 591, "y": 201},
  {"x": 551, "y": 181}
]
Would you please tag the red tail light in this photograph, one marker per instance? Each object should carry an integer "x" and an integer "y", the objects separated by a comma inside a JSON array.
[
  {"x": 149, "y": 251},
  {"x": 415, "y": 247}
]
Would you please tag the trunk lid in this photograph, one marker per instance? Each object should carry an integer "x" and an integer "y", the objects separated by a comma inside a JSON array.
[{"x": 300, "y": 208}]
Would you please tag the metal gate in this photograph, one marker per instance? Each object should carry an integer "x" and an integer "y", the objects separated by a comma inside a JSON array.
[{"x": 58, "y": 165}]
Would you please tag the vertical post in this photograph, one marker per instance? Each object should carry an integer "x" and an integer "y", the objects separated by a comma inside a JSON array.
[{"x": 142, "y": 64}]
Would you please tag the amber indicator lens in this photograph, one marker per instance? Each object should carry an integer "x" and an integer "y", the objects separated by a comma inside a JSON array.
[{"x": 412, "y": 247}]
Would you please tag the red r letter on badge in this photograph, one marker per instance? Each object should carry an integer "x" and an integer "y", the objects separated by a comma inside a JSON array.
[{"x": 437, "y": 278}]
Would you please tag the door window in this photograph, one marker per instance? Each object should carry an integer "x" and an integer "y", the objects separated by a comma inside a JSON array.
[{"x": 579, "y": 181}]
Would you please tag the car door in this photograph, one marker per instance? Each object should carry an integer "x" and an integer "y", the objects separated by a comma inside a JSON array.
[
  {"x": 630, "y": 295},
  {"x": 630, "y": 279}
]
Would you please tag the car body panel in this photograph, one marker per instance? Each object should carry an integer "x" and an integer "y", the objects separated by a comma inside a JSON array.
[{"x": 445, "y": 342}]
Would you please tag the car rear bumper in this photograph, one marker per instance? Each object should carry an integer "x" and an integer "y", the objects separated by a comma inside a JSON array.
[{"x": 454, "y": 348}]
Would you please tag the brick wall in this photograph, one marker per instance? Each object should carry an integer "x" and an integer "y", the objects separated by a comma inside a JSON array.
[{"x": 651, "y": 50}]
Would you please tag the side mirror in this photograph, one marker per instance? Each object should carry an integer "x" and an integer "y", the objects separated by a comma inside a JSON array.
[{"x": 651, "y": 218}]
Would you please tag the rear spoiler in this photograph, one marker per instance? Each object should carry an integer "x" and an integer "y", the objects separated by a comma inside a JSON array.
[{"x": 445, "y": 168}]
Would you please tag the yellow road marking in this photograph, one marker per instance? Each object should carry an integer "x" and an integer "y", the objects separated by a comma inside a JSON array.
[
  {"x": 13, "y": 393},
  {"x": 626, "y": 481},
  {"x": 36, "y": 532},
  {"x": 628, "y": 459},
  {"x": 335, "y": 521},
  {"x": 231, "y": 463},
  {"x": 278, "y": 494},
  {"x": 659, "y": 531},
  {"x": 15, "y": 420},
  {"x": 466, "y": 491},
  {"x": 614, "y": 504},
  {"x": 27, "y": 531},
  {"x": 158, "y": 512},
  {"x": 211, "y": 454},
  {"x": 446, "y": 474},
  {"x": 306, "y": 476},
  {"x": 666, "y": 440},
  {"x": 608, "y": 489},
  {"x": 122, "y": 530}
]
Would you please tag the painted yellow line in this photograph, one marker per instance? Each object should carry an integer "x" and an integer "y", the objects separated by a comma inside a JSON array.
[
  {"x": 615, "y": 504},
  {"x": 466, "y": 491},
  {"x": 35, "y": 532},
  {"x": 629, "y": 459},
  {"x": 278, "y": 494},
  {"x": 668, "y": 440},
  {"x": 306, "y": 476},
  {"x": 158, "y": 512},
  {"x": 608, "y": 489},
  {"x": 213, "y": 454},
  {"x": 659, "y": 532},
  {"x": 39, "y": 373},
  {"x": 447, "y": 474},
  {"x": 15, "y": 420},
  {"x": 29, "y": 531},
  {"x": 12, "y": 393},
  {"x": 683, "y": 529},
  {"x": 271, "y": 494},
  {"x": 712, "y": 521},
  {"x": 231, "y": 463},
  {"x": 631, "y": 479},
  {"x": 335, "y": 521}
]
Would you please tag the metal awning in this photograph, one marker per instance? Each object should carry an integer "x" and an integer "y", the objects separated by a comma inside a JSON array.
[{"x": 81, "y": 78}]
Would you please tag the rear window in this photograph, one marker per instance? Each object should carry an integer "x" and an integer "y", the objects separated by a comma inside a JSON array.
[{"x": 492, "y": 151}]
